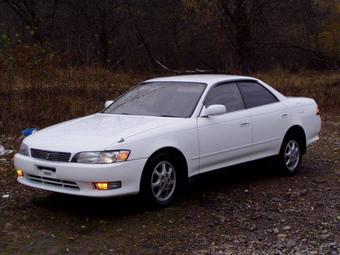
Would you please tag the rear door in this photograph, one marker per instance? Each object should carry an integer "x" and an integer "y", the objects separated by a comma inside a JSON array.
[
  {"x": 224, "y": 139},
  {"x": 269, "y": 118}
]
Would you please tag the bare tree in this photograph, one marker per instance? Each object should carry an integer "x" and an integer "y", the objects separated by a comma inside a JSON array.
[
  {"x": 242, "y": 17},
  {"x": 178, "y": 35},
  {"x": 35, "y": 15}
]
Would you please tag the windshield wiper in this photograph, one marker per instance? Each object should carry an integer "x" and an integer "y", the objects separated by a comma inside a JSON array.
[
  {"x": 170, "y": 116},
  {"x": 124, "y": 113}
]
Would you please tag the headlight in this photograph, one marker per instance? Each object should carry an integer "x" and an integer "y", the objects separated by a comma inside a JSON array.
[
  {"x": 24, "y": 150},
  {"x": 101, "y": 157}
]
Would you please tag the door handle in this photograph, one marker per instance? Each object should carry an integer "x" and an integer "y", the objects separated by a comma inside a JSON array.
[
  {"x": 244, "y": 124},
  {"x": 284, "y": 115}
]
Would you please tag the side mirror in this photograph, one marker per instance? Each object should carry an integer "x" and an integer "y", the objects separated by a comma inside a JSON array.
[
  {"x": 108, "y": 103},
  {"x": 214, "y": 109}
]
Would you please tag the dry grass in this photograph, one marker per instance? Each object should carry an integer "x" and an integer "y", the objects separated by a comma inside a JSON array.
[
  {"x": 39, "y": 100},
  {"x": 324, "y": 87},
  {"x": 39, "y": 97}
]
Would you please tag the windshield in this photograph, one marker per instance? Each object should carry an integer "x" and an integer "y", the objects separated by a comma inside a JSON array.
[{"x": 164, "y": 99}]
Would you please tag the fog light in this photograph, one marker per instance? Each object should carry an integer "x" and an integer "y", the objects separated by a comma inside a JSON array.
[
  {"x": 20, "y": 173},
  {"x": 108, "y": 185}
]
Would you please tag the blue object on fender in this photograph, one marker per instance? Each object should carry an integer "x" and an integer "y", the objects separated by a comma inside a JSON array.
[{"x": 28, "y": 131}]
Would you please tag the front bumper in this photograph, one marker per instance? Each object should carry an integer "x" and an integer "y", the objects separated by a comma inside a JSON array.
[{"x": 78, "y": 179}]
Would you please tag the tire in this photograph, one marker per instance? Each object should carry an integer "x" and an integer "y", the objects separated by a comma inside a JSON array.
[
  {"x": 160, "y": 180},
  {"x": 290, "y": 156}
]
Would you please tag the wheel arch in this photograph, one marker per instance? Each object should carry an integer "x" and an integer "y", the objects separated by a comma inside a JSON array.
[
  {"x": 300, "y": 132},
  {"x": 176, "y": 154}
]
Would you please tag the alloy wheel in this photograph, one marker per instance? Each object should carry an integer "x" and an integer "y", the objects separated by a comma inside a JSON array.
[
  {"x": 292, "y": 155},
  {"x": 163, "y": 181}
]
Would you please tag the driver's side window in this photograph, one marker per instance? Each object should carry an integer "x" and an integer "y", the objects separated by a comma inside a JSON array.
[{"x": 227, "y": 94}]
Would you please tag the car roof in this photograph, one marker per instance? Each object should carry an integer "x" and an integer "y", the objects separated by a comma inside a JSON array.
[{"x": 209, "y": 79}]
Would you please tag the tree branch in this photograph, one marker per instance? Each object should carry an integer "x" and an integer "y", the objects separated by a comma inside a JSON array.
[{"x": 150, "y": 54}]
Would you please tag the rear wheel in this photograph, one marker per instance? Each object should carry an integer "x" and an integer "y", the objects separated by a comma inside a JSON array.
[
  {"x": 160, "y": 180},
  {"x": 290, "y": 156}
]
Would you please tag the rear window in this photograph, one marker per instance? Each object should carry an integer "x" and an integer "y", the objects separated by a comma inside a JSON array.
[{"x": 255, "y": 94}]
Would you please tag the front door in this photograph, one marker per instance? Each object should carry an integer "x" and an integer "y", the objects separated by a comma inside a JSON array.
[{"x": 224, "y": 139}]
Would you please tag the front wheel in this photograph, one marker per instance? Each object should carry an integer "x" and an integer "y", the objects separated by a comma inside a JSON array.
[
  {"x": 290, "y": 156},
  {"x": 160, "y": 180}
]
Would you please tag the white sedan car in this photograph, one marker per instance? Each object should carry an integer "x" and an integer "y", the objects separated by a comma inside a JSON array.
[{"x": 159, "y": 134}]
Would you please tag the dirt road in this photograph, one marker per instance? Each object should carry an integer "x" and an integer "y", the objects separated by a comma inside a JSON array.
[{"x": 237, "y": 211}]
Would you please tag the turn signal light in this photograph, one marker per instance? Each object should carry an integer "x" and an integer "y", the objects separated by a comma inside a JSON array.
[
  {"x": 20, "y": 173},
  {"x": 317, "y": 111},
  {"x": 123, "y": 155}
]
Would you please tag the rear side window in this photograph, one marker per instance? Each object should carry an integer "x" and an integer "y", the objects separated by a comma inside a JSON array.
[
  {"x": 227, "y": 94},
  {"x": 255, "y": 94}
]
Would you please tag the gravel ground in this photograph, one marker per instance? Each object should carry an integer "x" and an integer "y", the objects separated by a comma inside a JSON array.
[{"x": 241, "y": 210}]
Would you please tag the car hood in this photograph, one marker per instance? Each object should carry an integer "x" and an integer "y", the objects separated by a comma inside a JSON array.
[{"x": 93, "y": 133}]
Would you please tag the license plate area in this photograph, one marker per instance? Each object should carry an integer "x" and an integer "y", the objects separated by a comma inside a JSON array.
[{"x": 46, "y": 171}]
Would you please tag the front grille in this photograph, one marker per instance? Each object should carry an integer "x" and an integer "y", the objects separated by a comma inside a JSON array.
[
  {"x": 51, "y": 155},
  {"x": 53, "y": 182}
]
